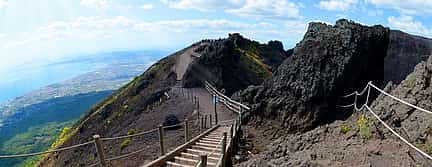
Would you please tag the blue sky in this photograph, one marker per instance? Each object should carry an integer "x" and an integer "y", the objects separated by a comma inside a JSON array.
[{"x": 45, "y": 30}]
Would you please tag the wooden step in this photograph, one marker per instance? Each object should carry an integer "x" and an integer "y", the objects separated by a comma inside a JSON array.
[
  {"x": 203, "y": 151},
  {"x": 214, "y": 140},
  {"x": 208, "y": 145},
  {"x": 209, "y": 142},
  {"x": 205, "y": 148},
  {"x": 174, "y": 164},
  {"x": 196, "y": 157},
  {"x": 182, "y": 159}
]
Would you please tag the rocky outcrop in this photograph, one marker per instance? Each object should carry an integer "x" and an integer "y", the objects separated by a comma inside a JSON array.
[
  {"x": 234, "y": 63},
  {"x": 327, "y": 63},
  {"x": 404, "y": 52},
  {"x": 413, "y": 124},
  {"x": 341, "y": 143}
]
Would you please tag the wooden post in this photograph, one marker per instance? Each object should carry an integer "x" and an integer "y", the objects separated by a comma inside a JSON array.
[
  {"x": 205, "y": 121},
  {"x": 215, "y": 104},
  {"x": 161, "y": 142},
  {"x": 198, "y": 108},
  {"x": 186, "y": 131},
  {"x": 223, "y": 149},
  {"x": 210, "y": 120},
  {"x": 202, "y": 122},
  {"x": 203, "y": 160},
  {"x": 100, "y": 151},
  {"x": 232, "y": 130}
]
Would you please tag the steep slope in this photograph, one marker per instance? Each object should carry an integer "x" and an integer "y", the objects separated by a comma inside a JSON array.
[
  {"x": 235, "y": 63},
  {"x": 404, "y": 52},
  {"x": 328, "y": 62},
  {"x": 131, "y": 107},
  {"x": 342, "y": 143}
]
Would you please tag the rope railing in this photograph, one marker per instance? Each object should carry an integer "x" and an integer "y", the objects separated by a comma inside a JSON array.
[
  {"x": 398, "y": 99},
  {"x": 365, "y": 105},
  {"x": 129, "y": 136},
  {"x": 98, "y": 141},
  {"x": 46, "y": 152},
  {"x": 214, "y": 91}
]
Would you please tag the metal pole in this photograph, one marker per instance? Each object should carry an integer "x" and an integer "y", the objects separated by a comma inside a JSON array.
[
  {"x": 224, "y": 142},
  {"x": 99, "y": 149},
  {"x": 235, "y": 128},
  {"x": 203, "y": 160},
  {"x": 161, "y": 142},
  {"x": 186, "y": 131}
]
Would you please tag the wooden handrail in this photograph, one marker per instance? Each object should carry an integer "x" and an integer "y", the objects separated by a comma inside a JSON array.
[{"x": 161, "y": 160}]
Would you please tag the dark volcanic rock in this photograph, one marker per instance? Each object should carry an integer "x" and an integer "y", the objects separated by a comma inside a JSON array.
[
  {"x": 327, "y": 63},
  {"x": 404, "y": 52},
  {"x": 329, "y": 145},
  {"x": 234, "y": 63},
  {"x": 171, "y": 120},
  {"x": 416, "y": 89}
]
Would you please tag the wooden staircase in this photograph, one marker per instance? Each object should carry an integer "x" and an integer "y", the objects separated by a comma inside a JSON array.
[{"x": 210, "y": 144}]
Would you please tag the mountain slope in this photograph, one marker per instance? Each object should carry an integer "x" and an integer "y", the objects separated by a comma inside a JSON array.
[
  {"x": 235, "y": 63},
  {"x": 132, "y": 106}
]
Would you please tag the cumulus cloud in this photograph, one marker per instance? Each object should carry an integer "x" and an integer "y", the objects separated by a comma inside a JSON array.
[
  {"x": 202, "y": 5},
  {"x": 406, "y": 7},
  {"x": 279, "y": 9},
  {"x": 95, "y": 4},
  {"x": 337, "y": 5},
  {"x": 147, "y": 6},
  {"x": 2, "y": 3},
  {"x": 267, "y": 9},
  {"x": 99, "y": 28},
  {"x": 408, "y": 24}
]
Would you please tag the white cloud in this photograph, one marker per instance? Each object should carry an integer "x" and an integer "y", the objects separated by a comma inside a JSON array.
[
  {"x": 406, "y": 7},
  {"x": 2, "y": 3},
  {"x": 147, "y": 6},
  {"x": 267, "y": 9},
  {"x": 202, "y": 5},
  {"x": 408, "y": 24},
  {"x": 88, "y": 28},
  {"x": 95, "y": 4},
  {"x": 337, "y": 5},
  {"x": 280, "y": 9}
]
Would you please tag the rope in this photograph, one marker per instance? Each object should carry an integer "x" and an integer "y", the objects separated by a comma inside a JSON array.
[
  {"x": 128, "y": 136},
  {"x": 379, "y": 119},
  {"x": 400, "y": 137},
  {"x": 400, "y": 100},
  {"x": 172, "y": 126},
  {"x": 357, "y": 93},
  {"x": 46, "y": 152}
]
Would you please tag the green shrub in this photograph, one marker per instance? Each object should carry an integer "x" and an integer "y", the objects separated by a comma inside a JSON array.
[
  {"x": 125, "y": 143},
  {"x": 345, "y": 129},
  {"x": 364, "y": 130},
  {"x": 429, "y": 148},
  {"x": 411, "y": 81},
  {"x": 131, "y": 131}
]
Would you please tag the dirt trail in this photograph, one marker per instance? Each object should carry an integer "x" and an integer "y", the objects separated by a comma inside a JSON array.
[
  {"x": 185, "y": 59},
  {"x": 207, "y": 105}
]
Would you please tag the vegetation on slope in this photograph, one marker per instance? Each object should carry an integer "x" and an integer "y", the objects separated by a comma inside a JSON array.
[
  {"x": 46, "y": 118},
  {"x": 35, "y": 139}
]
